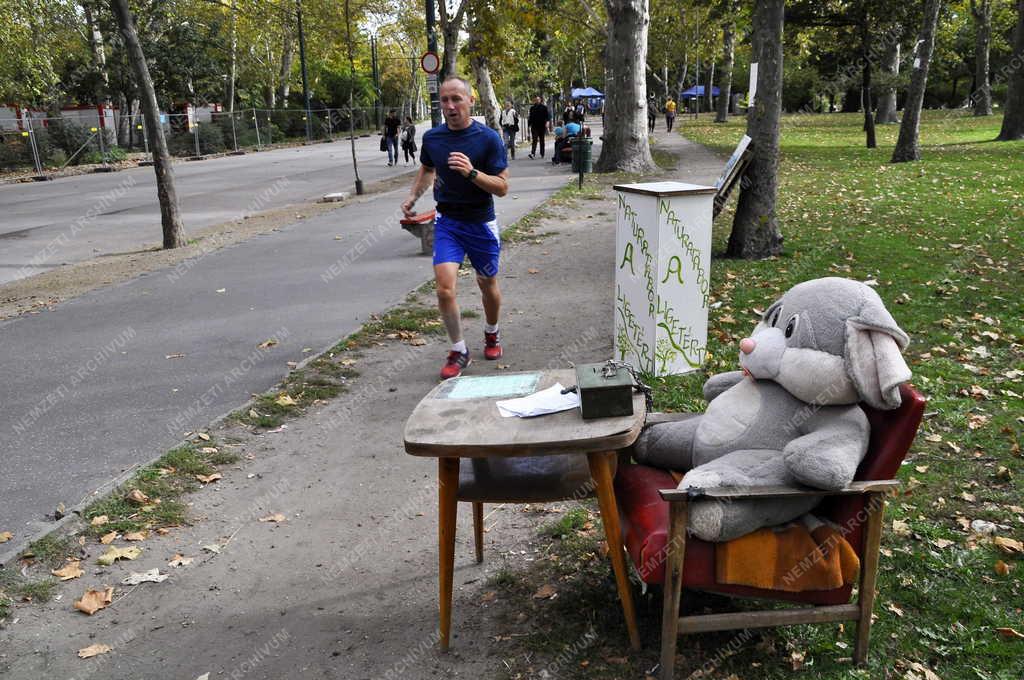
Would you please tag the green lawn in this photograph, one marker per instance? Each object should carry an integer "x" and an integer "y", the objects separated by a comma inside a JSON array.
[{"x": 943, "y": 238}]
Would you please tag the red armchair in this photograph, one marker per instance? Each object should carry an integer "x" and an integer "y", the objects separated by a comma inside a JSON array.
[{"x": 654, "y": 535}]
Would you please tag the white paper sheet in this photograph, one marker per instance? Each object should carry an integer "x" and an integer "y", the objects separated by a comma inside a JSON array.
[{"x": 540, "y": 403}]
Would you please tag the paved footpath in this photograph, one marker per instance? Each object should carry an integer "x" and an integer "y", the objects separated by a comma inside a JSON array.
[
  {"x": 111, "y": 379},
  {"x": 345, "y": 588}
]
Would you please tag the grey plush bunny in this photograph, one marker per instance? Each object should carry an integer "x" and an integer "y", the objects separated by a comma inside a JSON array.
[{"x": 791, "y": 415}]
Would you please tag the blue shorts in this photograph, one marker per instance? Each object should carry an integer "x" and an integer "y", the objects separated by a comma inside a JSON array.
[{"x": 454, "y": 239}]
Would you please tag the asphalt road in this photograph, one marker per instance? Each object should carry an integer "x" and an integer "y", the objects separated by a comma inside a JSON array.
[
  {"x": 89, "y": 390},
  {"x": 70, "y": 219}
]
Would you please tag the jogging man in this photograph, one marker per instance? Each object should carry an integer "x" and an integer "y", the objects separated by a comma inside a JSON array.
[{"x": 465, "y": 162}]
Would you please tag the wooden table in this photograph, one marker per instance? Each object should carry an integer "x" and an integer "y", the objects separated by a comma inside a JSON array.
[{"x": 449, "y": 429}]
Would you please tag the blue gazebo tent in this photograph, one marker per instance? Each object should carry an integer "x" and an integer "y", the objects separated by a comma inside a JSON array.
[
  {"x": 697, "y": 91},
  {"x": 578, "y": 92}
]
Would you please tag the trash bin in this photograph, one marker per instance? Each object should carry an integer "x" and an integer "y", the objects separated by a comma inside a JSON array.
[{"x": 581, "y": 154}]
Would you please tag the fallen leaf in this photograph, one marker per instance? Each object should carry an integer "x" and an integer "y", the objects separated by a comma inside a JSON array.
[
  {"x": 976, "y": 421},
  {"x": 6, "y": 536},
  {"x": 1010, "y": 633},
  {"x": 136, "y": 496},
  {"x": 276, "y": 517},
  {"x": 206, "y": 479},
  {"x": 68, "y": 571},
  {"x": 285, "y": 400},
  {"x": 177, "y": 355},
  {"x": 1002, "y": 568},
  {"x": 180, "y": 561},
  {"x": 894, "y": 609},
  {"x": 114, "y": 554},
  {"x": 900, "y": 528},
  {"x": 213, "y": 547},
  {"x": 94, "y": 600},
  {"x": 925, "y": 673},
  {"x": 545, "y": 592},
  {"x": 532, "y": 271},
  {"x": 107, "y": 539},
  {"x": 347, "y": 362},
  {"x": 969, "y": 497},
  {"x": 221, "y": 290},
  {"x": 94, "y": 650},
  {"x": 942, "y": 543},
  {"x": 202, "y": 435},
  {"x": 99, "y": 520},
  {"x": 204, "y": 676},
  {"x": 1009, "y": 546},
  {"x": 208, "y": 449},
  {"x": 796, "y": 660},
  {"x": 921, "y": 468},
  {"x": 417, "y": 342},
  {"x": 151, "y": 576},
  {"x": 489, "y": 596},
  {"x": 136, "y": 536},
  {"x": 267, "y": 343}
]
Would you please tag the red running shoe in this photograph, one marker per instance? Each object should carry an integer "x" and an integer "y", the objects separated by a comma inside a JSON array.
[
  {"x": 492, "y": 346},
  {"x": 454, "y": 364}
]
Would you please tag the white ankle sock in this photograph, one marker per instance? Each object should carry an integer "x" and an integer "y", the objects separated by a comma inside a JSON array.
[
  {"x": 459, "y": 347},
  {"x": 488, "y": 328}
]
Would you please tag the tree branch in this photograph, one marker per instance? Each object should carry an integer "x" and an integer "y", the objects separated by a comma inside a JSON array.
[{"x": 601, "y": 28}]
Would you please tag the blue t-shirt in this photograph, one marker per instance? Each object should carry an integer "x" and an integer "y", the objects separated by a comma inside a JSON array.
[{"x": 455, "y": 195}]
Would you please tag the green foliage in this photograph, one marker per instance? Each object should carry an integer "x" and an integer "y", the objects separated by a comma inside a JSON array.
[{"x": 211, "y": 140}]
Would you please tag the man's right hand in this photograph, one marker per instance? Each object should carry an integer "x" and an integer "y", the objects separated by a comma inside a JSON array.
[{"x": 407, "y": 207}]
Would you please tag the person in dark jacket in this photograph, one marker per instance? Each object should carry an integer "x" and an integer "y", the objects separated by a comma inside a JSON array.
[
  {"x": 391, "y": 125},
  {"x": 539, "y": 121},
  {"x": 409, "y": 140}
]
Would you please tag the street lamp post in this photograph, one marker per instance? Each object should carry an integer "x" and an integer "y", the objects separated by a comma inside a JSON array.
[{"x": 435, "y": 103}]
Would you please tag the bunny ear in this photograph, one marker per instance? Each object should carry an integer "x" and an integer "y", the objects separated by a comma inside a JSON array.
[
  {"x": 875, "y": 364},
  {"x": 874, "y": 316}
]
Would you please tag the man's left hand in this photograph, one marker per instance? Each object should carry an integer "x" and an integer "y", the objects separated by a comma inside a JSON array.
[{"x": 459, "y": 162}]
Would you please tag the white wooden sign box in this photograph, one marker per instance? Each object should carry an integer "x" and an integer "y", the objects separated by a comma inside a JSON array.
[{"x": 662, "y": 275}]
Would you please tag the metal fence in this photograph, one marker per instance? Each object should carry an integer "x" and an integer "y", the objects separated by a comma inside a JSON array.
[{"x": 41, "y": 143}]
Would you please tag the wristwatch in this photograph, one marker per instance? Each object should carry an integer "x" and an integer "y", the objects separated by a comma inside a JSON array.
[{"x": 472, "y": 174}]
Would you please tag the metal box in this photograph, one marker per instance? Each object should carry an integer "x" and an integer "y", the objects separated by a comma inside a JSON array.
[{"x": 604, "y": 391}]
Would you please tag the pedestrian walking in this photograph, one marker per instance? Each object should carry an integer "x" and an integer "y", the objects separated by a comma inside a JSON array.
[
  {"x": 409, "y": 140},
  {"x": 465, "y": 162},
  {"x": 670, "y": 113},
  {"x": 391, "y": 125},
  {"x": 509, "y": 122},
  {"x": 539, "y": 120},
  {"x": 652, "y": 113}
]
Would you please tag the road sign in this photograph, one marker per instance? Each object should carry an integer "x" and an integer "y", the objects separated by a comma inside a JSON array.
[
  {"x": 432, "y": 82},
  {"x": 430, "y": 62}
]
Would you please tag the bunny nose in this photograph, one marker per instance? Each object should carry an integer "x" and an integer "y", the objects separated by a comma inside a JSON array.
[{"x": 747, "y": 345}]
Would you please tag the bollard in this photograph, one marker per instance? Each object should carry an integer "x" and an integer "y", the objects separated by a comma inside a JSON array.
[{"x": 256, "y": 124}]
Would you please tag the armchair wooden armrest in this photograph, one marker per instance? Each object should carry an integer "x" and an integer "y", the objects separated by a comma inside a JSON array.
[{"x": 741, "y": 492}]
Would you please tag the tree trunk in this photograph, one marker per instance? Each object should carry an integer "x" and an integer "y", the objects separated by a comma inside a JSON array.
[
  {"x": 625, "y": 146},
  {"x": 664, "y": 81},
  {"x": 865, "y": 44},
  {"x": 886, "y": 112},
  {"x": 709, "y": 88},
  {"x": 906, "y": 146},
  {"x": 99, "y": 62},
  {"x": 485, "y": 88},
  {"x": 982, "y": 94},
  {"x": 1013, "y": 116},
  {"x": 284, "y": 75},
  {"x": 124, "y": 118},
  {"x": 450, "y": 26},
  {"x": 755, "y": 228},
  {"x": 173, "y": 231},
  {"x": 233, "y": 70},
  {"x": 728, "y": 54},
  {"x": 851, "y": 100}
]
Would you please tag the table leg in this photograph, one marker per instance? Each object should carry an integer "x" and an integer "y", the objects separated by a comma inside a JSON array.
[
  {"x": 448, "y": 486},
  {"x": 601, "y": 471}
]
